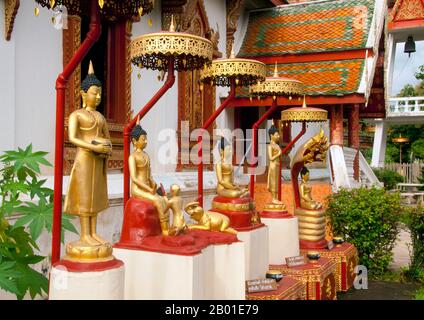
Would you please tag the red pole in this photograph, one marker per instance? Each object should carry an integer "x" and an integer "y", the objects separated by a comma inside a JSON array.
[
  {"x": 287, "y": 149},
  {"x": 127, "y": 130},
  {"x": 205, "y": 126},
  {"x": 92, "y": 36},
  {"x": 253, "y": 162}
]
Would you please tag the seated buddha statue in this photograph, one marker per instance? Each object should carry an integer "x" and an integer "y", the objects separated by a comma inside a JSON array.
[
  {"x": 142, "y": 184},
  {"x": 305, "y": 192},
  {"x": 225, "y": 175}
]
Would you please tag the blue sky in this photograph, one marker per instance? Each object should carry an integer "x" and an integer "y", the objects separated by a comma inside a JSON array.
[{"x": 405, "y": 67}]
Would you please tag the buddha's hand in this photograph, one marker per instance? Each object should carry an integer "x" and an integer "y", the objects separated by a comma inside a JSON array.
[{"x": 101, "y": 148}]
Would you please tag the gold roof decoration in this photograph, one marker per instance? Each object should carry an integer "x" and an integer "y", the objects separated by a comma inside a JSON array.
[
  {"x": 277, "y": 86},
  {"x": 111, "y": 10},
  {"x": 304, "y": 114},
  {"x": 245, "y": 72},
  {"x": 153, "y": 50}
]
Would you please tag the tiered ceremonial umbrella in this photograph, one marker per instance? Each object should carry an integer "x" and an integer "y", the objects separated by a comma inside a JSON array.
[
  {"x": 230, "y": 72},
  {"x": 274, "y": 87}
]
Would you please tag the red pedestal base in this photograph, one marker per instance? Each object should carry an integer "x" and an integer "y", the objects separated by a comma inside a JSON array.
[
  {"x": 276, "y": 214},
  {"x": 312, "y": 245},
  {"x": 241, "y": 212},
  {"x": 141, "y": 231},
  {"x": 74, "y": 266}
]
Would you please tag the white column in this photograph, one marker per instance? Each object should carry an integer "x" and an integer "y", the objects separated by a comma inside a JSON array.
[{"x": 380, "y": 139}]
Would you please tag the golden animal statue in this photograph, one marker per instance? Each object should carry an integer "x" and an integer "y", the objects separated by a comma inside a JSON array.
[
  {"x": 310, "y": 212},
  {"x": 274, "y": 155},
  {"x": 87, "y": 191},
  {"x": 209, "y": 221},
  {"x": 142, "y": 184},
  {"x": 225, "y": 175}
]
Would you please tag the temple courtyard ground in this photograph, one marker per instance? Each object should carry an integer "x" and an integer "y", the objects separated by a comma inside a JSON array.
[{"x": 389, "y": 290}]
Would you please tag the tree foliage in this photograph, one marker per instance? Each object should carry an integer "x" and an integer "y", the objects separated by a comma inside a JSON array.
[
  {"x": 22, "y": 193},
  {"x": 368, "y": 219}
]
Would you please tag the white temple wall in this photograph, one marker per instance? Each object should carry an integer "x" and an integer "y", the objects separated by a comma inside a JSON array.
[
  {"x": 7, "y": 89},
  {"x": 38, "y": 61}
]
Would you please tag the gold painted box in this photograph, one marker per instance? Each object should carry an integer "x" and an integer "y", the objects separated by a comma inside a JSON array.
[
  {"x": 345, "y": 256},
  {"x": 319, "y": 278},
  {"x": 287, "y": 289}
]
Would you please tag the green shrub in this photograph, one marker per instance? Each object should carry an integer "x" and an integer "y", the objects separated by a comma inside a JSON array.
[
  {"x": 368, "y": 219},
  {"x": 22, "y": 193},
  {"x": 415, "y": 223},
  {"x": 389, "y": 178}
]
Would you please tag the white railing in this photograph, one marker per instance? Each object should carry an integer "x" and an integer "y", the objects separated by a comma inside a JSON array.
[{"x": 407, "y": 106}]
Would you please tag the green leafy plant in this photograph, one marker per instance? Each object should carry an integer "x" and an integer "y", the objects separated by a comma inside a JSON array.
[
  {"x": 368, "y": 219},
  {"x": 24, "y": 195},
  {"x": 415, "y": 223},
  {"x": 389, "y": 178}
]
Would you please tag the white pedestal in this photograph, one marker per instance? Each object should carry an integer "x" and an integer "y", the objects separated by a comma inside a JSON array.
[
  {"x": 93, "y": 285},
  {"x": 256, "y": 252},
  {"x": 283, "y": 238},
  {"x": 212, "y": 274},
  {"x": 229, "y": 272}
]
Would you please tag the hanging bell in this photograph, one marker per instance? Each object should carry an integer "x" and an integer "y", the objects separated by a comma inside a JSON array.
[
  {"x": 52, "y": 3},
  {"x": 36, "y": 11},
  {"x": 150, "y": 22},
  {"x": 139, "y": 76},
  {"x": 409, "y": 46},
  {"x": 140, "y": 11},
  {"x": 101, "y": 3}
]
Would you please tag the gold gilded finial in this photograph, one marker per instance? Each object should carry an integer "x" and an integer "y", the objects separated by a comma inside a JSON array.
[
  {"x": 304, "y": 101},
  {"x": 232, "y": 55},
  {"x": 52, "y": 3},
  {"x": 91, "y": 68},
  {"x": 172, "y": 26},
  {"x": 275, "y": 70}
]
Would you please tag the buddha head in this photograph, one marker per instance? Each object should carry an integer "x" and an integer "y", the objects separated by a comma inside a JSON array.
[
  {"x": 91, "y": 89},
  {"x": 175, "y": 190},
  {"x": 226, "y": 151},
  {"x": 139, "y": 137},
  {"x": 274, "y": 135},
  {"x": 304, "y": 174}
]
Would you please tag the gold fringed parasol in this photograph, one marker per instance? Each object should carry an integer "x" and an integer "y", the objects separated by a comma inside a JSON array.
[
  {"x": 304, "y": 114},
  {"x": 153, "y": 50}
]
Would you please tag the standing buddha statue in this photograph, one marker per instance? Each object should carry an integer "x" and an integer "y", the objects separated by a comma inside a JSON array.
[
  {"x": 274, "y": 175},
  {"x": 87, "y": 192}
]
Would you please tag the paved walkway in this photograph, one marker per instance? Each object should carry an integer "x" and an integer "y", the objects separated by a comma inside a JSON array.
[{"x": 401, "y": 256}]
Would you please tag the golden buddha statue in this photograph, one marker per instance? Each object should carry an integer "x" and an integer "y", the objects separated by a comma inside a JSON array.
[
  {"x": 306, "y": 200},
  {"x": 176, "y": 205},
  {"x": 142, "y": 184},
  {"x": 225, "y": 174},
  {"x": 310, "y": 212},
  {"x": 87, "y": 192},
  {"x": 209, "y": 221},
  {"x": 274, "y": 175}
]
